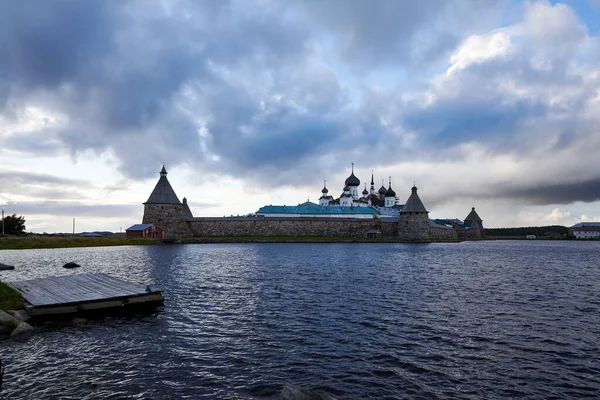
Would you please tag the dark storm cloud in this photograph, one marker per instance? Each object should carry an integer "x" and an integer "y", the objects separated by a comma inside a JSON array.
[
  {"x": 450, "y": 122},
  {"x": 36, "y": 185},
  {"x": 45, "y": 44},
  {"x": 560, "y": 193},
  {"x": 72, "y": 209},
  {"x": 42, "y": 142},
  {"x": 398, "y": 34},
  {"x": 372, "y": 34},
  {"x": 32, "y": 178}
]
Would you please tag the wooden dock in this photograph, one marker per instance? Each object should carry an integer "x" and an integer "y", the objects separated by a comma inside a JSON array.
[{"x": 73, "y": 294}]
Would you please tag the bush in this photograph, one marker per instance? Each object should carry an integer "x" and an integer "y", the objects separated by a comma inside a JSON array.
[{"x": 14, "y": 225}]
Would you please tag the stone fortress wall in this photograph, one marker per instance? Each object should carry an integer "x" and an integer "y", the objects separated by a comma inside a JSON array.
[
  {"x": 349, "y": 228},
  {"x": 282, "y": 227},
  {"x": 442, "y": 233},
  {"x": 411, "y": 227}
]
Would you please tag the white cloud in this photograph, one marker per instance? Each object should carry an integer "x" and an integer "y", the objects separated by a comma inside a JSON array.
[
  {"x": 480, "y": 48},
  {"x": 585, "y": 218}
]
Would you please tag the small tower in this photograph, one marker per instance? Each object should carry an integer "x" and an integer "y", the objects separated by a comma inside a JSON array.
[
  {"x": 413, "y": 224},
  {"x": 353, "y": 183},
  {"x": 164, "y": 209},
  {"x": 325, "y": 199},
  {"x": 346, "y": 198},
  {"x": 372, "y": 189},
  {"x": 187, "y": 213},
  {"x": 476, "y": 225},
  {"x": 390, "y": 196},
  {"x": 365, "y": 193}
]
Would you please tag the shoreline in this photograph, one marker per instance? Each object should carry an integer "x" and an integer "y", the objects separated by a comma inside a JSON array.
[
  {"x": 55, "y": 242},
  {"x": 30, "y": 242}
]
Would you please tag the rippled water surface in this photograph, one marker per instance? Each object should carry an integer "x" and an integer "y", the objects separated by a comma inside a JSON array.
[{"x": 471, "y": 320}]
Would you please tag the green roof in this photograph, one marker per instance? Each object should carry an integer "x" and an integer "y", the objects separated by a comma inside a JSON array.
[{"x": 316, "y": 210}]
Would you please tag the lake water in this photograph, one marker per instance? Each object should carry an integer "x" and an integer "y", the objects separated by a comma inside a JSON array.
[{"x": 494, "y": 319}]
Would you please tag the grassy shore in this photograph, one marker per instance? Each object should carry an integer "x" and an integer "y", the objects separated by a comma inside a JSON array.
[
  {"x": 10, "y": 299},
  {"x": 50, "y": 242}
]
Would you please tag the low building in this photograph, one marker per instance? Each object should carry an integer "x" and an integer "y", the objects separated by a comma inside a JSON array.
[
  {"x": 585, "y": 230},
  {"x": 149, "y": 231}
]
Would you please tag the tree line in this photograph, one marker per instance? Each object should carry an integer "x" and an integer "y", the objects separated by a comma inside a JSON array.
[
  {"x": 14, "y": 225},
  {"x": 531, "y": 230}
]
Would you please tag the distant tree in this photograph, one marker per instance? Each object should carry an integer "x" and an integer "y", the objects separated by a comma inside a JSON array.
[{"x": 14, "y": 225}]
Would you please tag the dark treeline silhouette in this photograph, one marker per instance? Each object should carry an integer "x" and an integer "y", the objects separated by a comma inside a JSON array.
[{"x": 552, "y": 230}]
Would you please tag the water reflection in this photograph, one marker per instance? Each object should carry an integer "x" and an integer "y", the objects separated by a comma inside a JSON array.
[{"x": 484, "y": 320}]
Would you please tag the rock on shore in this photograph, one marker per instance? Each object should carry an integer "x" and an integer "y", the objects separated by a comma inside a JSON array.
[
  {"x": 22, "y": 332},
  {"x": 8, "y": 321},
  {"x": 14, "y": 326},
  {"x": 21, "y": 315}
]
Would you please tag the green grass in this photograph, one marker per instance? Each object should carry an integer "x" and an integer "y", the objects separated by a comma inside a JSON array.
[
  {"x": 50, "y": 242},
  {"x": 10, "y": 299}
]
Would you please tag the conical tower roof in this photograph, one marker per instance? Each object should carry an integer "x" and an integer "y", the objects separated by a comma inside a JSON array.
[
  {"x": 473, "y": 217},
  {"x": 187, "y": 213},
  {"x": 414, "y": 203},
  {"x": 163, "y": 193}
]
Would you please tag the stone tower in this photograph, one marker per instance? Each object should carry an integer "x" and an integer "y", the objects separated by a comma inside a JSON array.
[
  {"x": 413, "y": 224},
  {"x": 164, "y": 209},
  {"x": 476, "y": 224}
]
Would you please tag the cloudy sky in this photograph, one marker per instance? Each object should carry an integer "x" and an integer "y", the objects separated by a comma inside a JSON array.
[{"x": 485, "y": 103}]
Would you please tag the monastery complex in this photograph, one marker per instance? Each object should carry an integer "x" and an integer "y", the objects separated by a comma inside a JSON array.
[{"x": 372, "y": 213}]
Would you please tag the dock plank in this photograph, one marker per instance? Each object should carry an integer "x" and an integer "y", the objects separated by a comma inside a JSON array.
[{"x": 78, "y": 288}]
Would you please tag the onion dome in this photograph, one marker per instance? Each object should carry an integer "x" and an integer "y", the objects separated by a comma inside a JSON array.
[
  {"x": 365, "y": 192},
  {"x": 324, "y": 190},
  {"x": 352, "y": 180},
  {"x": 382, "y": 190},
  {"x": 346, "y": 188},
  {"x": 390, "y": 192}
]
